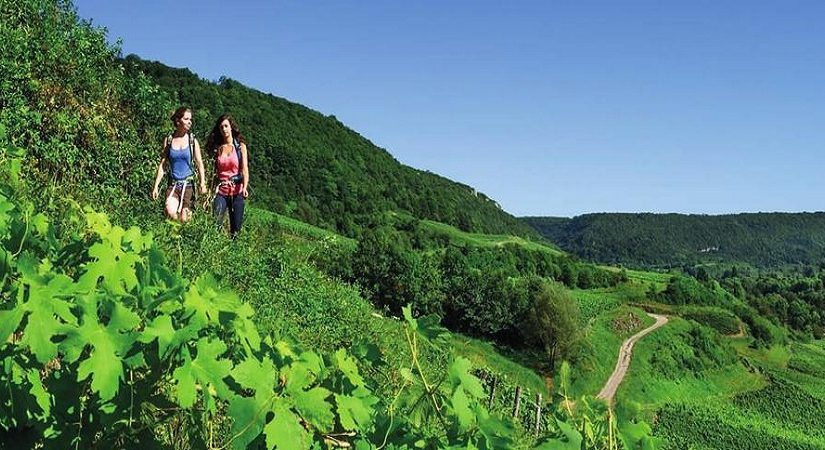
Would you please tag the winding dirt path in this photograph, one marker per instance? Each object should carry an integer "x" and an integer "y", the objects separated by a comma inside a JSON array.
[{"x": 609, "y": 389}]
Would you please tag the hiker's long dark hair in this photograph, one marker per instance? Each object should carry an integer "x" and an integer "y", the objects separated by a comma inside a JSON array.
[{"x": 215, "y": 139}]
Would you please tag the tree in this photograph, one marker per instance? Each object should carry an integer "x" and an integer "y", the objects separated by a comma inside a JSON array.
[{"x": 551, "y": 322}]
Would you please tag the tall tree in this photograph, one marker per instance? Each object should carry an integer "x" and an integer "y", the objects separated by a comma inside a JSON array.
[{"x": 551, "y": 322}]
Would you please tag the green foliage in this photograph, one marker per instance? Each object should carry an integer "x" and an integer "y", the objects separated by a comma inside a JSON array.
[
  {"x": 668, "y": 240},
  {"x": 720, "y": 319},
  {"x": 808, "y": 359},
  {"x": 694, "y": 426},
  {"x": 480, "y": 290},
  {"x": 692, "y": 349},
  {"x": 103, "y": 355},
  {"x": 785, "y": 403},
  {"x": 593, "y": 304},
  {"x": 685, "y": 290},
  {"x": 761, "y": 329},
  {"x": 552, "y": 321},
  {"x": 793, "y": 299},
  {"x": 67, "y": 100}
]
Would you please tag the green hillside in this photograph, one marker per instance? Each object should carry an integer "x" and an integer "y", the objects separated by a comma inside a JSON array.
[
  {"x": 169, "y": 336},
  {"x": 119, "y": 329},
  {"x": 660, "y": 240},
  {"x": 312, "y": 167}
]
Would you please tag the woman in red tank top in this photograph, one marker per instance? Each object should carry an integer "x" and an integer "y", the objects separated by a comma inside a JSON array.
[{"x": 228, "y": 147}]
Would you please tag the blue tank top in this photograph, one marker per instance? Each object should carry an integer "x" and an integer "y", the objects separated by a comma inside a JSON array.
[{"x": 180, "y": 161}]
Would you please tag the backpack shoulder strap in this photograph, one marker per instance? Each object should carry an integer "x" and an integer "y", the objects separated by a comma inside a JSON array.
[
  {"x": 192, "y": 153},
  {"x": 239, "y": 153}
]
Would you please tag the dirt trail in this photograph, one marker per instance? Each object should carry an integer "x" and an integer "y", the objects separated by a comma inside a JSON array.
[{"x": 609, "y": 389}]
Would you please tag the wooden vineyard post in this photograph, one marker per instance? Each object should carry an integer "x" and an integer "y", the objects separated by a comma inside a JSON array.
[
  {"x": 492, "y": 394},
  {"x": 538, "y": 415},
  {"x": 518, "y": 402}
]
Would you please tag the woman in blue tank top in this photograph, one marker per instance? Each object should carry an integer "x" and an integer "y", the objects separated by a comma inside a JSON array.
[{"x": 182, "y": 153}]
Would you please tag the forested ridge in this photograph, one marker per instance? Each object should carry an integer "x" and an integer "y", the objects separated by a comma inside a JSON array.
[
  {"x": 666, "y": 240},
  {"x": 120, "y": 329},
  {"x": 312, "y": 167}
]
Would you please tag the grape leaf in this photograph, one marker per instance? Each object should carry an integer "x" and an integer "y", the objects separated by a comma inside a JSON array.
[
  {"x": 257, "y": 375},
  {"x": 207, "y": 369},
  {"x": 349, "y": 367},
  {"x": 161, "y": 329},
  {"x": 302, "y": 372},
  {"x": 5, "y": 208},
  {"x": 248, "y": 417},
  {"x": 43, "y": 399},
  {"x": 43, "y": 306},
  {"x": 462, "y": 410},
  {"x": 461, "y": 377},
  {"x": 355, "y": 411},
  {"x": 110, "y": 262},
  {"x": 185, "y": 386},
  {"x": 284, "y": 431},
  {"x": 570, "y": 439},
  {"x": 313, "y": 407},
  {"x": 204, "y": 301},
  {"x": 9, "y": 320},
  {"x": 246, "y": 329},
  {"x": 497, "y": 432},
  {"x": 110, "y": 343}
]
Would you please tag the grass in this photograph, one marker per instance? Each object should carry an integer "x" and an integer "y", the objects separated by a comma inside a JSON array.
[
  {"x": 776, "y": 356},
  {"x": 753, "y": 405},
  {"x": 603, "y": 337},
  {"x": 658, "y": 279},
  {"x": 645, "y": 385},
  {"x": 722, "y": 426},
  {"x": 487, "y": 240},
  {"x": 297, "y": 229},
  {"x": 594, "y": 303},
  {"x": 485, "y": 354}
]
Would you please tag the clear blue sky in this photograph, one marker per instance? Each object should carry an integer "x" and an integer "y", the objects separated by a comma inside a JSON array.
[{"x": 550, "y": 107}]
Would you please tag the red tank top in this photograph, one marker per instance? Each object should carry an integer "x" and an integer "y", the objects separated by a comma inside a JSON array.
[{"x": 228, "y": 167}]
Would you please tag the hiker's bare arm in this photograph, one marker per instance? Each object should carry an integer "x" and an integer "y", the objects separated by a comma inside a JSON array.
[
  {"x": 199, "y": 166},
  {"x": 245, "y": 170}
]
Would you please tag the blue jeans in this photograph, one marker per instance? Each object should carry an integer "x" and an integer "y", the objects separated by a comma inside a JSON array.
[{"x": 233, "y": 203}]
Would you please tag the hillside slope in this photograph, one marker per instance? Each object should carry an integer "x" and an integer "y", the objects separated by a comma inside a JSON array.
[
  {"x": 761, "y": 239},
  {"x": 314, "y": 168}
]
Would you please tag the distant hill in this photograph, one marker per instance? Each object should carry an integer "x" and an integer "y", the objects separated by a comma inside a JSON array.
[
  {"x": 312, "y": 167},
  {"x": 760, "y": 239}
]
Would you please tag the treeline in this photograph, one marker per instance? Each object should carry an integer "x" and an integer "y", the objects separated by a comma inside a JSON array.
[
  {"x": 796, "y": 300},
  {"x": 670, "y": 240},
  {"x": 707, "y": 302},
  {"x": 485, "y": 291},
  {"x": 312, "y": 167},
  {"x": 766, "y": 302}
]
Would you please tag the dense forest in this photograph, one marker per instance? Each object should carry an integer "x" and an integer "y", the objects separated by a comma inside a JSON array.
[
  {"x": 668, "y": 240},
  {"x": 312, "y": 167}
]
